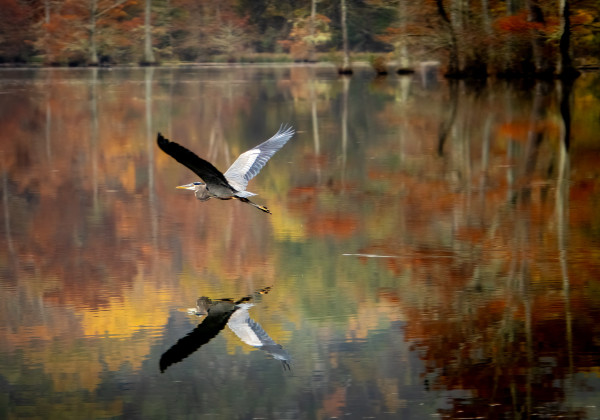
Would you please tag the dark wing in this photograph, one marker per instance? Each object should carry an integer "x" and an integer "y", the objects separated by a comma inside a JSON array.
[
  {"x": 249, "y": 163},
  {"x": 205, "y": 170},
  {"x": 210, "y": 327}
]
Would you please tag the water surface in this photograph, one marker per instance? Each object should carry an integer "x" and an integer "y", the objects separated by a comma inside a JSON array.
[{"x": 434, "y": 249}]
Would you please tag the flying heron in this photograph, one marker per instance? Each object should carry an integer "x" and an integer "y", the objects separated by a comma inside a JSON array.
[{"x": 232, "y": 183}]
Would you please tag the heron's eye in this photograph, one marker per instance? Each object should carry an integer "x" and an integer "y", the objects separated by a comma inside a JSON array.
[{"x": 197, "y": 183}]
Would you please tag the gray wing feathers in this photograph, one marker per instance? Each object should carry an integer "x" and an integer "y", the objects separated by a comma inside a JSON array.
[
  {"x": 249, "y": 163},
  {"x": 248, "y": 330}
]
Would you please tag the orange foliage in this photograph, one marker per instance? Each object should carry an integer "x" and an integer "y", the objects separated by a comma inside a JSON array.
[
  {"x": 332, "y": 224},
  {"x": 334, "y": 403},
  {"x": 305, "y": 36},
  {"x": 521, "y": 130},
  {"x": 520, "y": 24}
]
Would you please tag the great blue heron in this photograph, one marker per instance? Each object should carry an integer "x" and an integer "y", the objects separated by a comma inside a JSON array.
[{"x": 231, "y": 184}]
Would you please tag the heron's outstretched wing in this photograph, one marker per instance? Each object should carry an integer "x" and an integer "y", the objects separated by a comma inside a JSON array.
[
  {"x": 249, "y": 163},
  {"x": 210, "y": 327},
  {"x": 205, "y": 170},
  {"x": 251, "y": 333}
]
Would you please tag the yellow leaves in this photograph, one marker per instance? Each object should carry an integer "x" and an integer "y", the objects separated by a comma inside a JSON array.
[
  {"x": 287, "y": 227},
  {"x": 307, "y": 34},
  {"x": 127, "y": 177},
  {"x": 595, "y": 370},
  {"x": 580, "y": 18},
  {"x": 389, "y": 388},
  {"x": 333, "y": 404},
  {"x": 372, "y": 316}
]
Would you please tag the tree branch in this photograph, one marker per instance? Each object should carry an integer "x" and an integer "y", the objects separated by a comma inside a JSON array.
[{"x": 117, "y": 4}]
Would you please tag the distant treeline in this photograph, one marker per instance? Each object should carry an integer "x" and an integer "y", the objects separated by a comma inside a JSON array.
[{"x": 469, "y": 38}]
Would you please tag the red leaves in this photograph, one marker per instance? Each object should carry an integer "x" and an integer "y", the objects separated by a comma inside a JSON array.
[
  {"x": 517, "y": 24},
  {"x": 521, "y": 24}
]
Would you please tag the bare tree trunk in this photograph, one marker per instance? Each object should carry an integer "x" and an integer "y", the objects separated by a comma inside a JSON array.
[
  {"x": 506, "y": 66},
  {"x": 46, "y": 11},
  {"x": 453, "y": 63},
  {"x": 487, "y": 23},
  {"x": 487, "y": 27},
  {"x": 315, "y": 121},
  {"x": 401, "y": 47},
  {"x": 346, "y": 69},
  {"x": 46, "y": 22},
  {"x": 148, "y": 53},
  {"x": 311, "y": 44},
  {"x": 94, "y": 15},
  {"x": 566, "y": 69},
  {"x": 543, "y": 68},
  {"x": 93, "y": 46}
]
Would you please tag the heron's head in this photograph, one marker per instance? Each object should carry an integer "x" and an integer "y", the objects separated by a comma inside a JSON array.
[
  {"x": 199, "y": 189},
  {"x": 191, "y": 186}
]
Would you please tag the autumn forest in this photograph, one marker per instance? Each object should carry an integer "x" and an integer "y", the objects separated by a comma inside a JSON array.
[{"x": 509, "y": 38}]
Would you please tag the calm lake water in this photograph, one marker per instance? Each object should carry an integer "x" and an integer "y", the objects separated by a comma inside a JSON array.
[{"x": 433, "y": 252}]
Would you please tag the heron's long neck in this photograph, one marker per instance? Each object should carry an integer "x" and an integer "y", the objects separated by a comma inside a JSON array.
[{"x": 202, "y": 193}]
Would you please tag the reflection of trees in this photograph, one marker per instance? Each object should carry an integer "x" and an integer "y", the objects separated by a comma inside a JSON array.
[
  {"x": 80, "y": 197},
  {"x": 488, "y": 313},
  {"x": 446, "y": 124},
  {"x": 346, "y": 89},
  {"x": 152, "y": 205},
  {"x": 482, "y": 286}
]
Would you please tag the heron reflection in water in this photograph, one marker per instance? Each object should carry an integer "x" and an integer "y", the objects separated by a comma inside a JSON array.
[
  {"x": 231, "y": 184},
  {"x": 219, "y": 313}
]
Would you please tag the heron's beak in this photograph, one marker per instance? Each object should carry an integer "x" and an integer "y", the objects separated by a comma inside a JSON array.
[{"x": 186, "y": 187}]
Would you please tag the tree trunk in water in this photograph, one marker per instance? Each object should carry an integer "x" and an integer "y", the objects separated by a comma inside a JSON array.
[
  {"x": 486, "y": 51},
  {"x": 566, "y": 89},
  {"x": 401, "y": 47},
  {"x": 346, "y": 69},
  {"x": 453, "y": 64},
  {"x": 505, "y": 68},
  {"x": 543, "y": 67},
  {"x": 148, "y": 53},
  {"x": 566, "y": 68}
]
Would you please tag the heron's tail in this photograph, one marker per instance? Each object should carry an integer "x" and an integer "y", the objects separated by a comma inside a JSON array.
[
  {"x": 263, "y": 208},
  {"x": 245, "y": 194}
]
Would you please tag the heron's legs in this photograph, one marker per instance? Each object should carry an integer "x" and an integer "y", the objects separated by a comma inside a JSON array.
[{"x": 263, "y": 208}]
